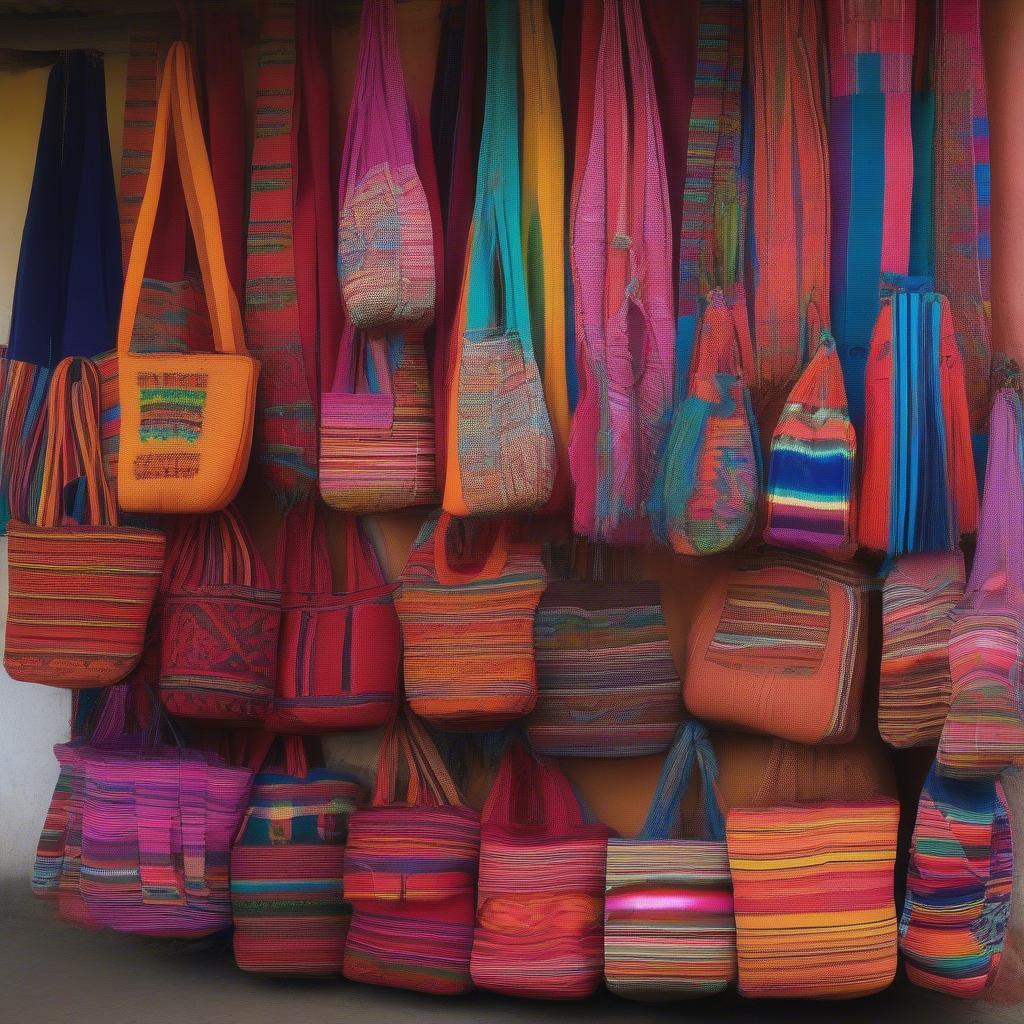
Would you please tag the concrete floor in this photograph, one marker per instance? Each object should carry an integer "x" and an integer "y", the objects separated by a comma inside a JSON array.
[{"x": 52, "y": 973}]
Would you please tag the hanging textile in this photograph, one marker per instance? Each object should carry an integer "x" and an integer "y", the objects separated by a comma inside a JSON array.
[
  {"x": 711, "y": 231},
  {"x": 962, "y": 215},
  {"x": 67, "y": 292},
  {"x": 621, "y": 253},
  {"x": 922, "y": 121},
  {"x": 871, "y": 49}
]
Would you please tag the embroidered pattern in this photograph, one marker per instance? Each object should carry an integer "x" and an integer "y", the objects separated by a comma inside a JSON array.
[
  {"x": 166, "y": 466},
  {"x": 171, "y": 406}
]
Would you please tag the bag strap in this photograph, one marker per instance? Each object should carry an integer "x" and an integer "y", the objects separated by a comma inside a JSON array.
[
  {"x": 691, "y": 748},
  {"x": 177, "y": 105},
  {"x": 74, "y": 485},
  {"x": 528, "y": 791},
  {"x": 491, "y": 566},
  {"x": 724, "y": 344},
  {"x": 362, "y": 566},
  {"x": 213, "y": 551},
  {"x": 430, "y": 783}
]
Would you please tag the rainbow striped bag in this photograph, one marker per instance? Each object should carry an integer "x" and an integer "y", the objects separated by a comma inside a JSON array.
[
  {"x": 958, "y": 886},
  {"x": 669, "y": 930},
  {"x": 813, "y": 892},
  {"x": 810, "y": 490},
  {"x": 984, "y": 730},
  {"x": 541, "y": 891},
  {"x": 705, "y": 496},
  {"x": 410, "y": 873},
  {"x": 287, "y": 898}
]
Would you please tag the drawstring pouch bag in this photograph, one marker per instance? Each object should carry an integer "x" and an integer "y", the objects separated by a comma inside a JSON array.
[
  {"x": 919, "y": 490},
  {"x": 186, "y": 418},
  {"x": 669, "y": 931},
  {"x": 606, "y": 682},
  {"x": 813, "y": 893},
  {"x": 339, "y": 654},
  {"x": 410, "y": 873},
  {"x": 705, "y": 497},
  {"x": 220, "y": 619},
  {"x": 958, "y": 886},
  {"x": 810, "y": 489},
  {"x": 541, "y": 892},
  {"x": 501, "y": 450},
  {"x": 778, "y": 646},
  {"x": 467, "y": 598},
  {"x": 385, "y": 237},
  {"x": 919, "y": 597},
  {"x": 81, "y": 585},
  {"x": 287, "y": 899},
  {"x": 984, "y": 730}
]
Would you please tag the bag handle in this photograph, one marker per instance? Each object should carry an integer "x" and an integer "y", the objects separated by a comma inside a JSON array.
[
  {"x": 362, "y": 566},
  {"x": 430, "y": 782},
  {"x": 715, "y": 354},
  {"x": 72, "y": 465},
  {"x": 177, "y": 103},
  {"x": 491, "y": 567},
  {"x": 691, "y": 748},
  {"x": 530, "y": 791},
  {"x": 193, "y": 799},
  {"x": 212, "y": 551}
]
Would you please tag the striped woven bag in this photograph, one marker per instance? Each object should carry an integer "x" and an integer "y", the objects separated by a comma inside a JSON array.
[
  {"x": 919, "y": 491},
  {"x": 501, "y": 449},
  {"x": 704, "y": 499},
  {"x": 810, "y": 490},
  {"x": 669, "y": 930},
  {"x": 621, "y": 255},
  {"x": 81, "y": 585},
  {"x": 339, "y": 654},
  {"x": 220, "y": 620},
  {"x": 541, "y": 891},
  {"x": 958, "y": 886},
  {"x": 778, "y": 645},
  {"x": 918, "y": 601},
  {"x": 410, "y": 873},
  {"x": 467, "y": 598},
  {"x": 287, "y": 898},
  {"x": 813, "y": 894},
  {"x": 984, "y": 730}
]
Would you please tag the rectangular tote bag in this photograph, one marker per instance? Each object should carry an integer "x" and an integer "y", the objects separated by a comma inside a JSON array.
[{"x": 186, "y": 418}]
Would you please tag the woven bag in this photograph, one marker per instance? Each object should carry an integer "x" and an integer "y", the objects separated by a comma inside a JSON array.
[
  {"x": 410, "y": 873},
  {"x": 541, "y": 889},
  {"x": 467, "y": 623},
  {"x": 918, "y": 600},
  {"x": 984, "y": 730},
  {"x": 81, "y": 585},
  {"x": 705, "y": 496},
  {"x": 669, "y": 930},
  {"x": 778, "y": 645},
  {"x": 339, "y": 654},
  {"x": 287, "y": 898},
  {"x": 810, "y": 489},
  {"x": 621, "y": 258},
  {"x": 918, "y": 491},
  {"x": 958, "y": 886},
  {"x": 501, "y": 450},
  {"x": 186, "y": 419},
  {"x": 813, "y": 894},
  {"x": 220, "y": 620}
]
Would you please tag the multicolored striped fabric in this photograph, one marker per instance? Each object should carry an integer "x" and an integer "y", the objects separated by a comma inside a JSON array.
[
  {"x": 541, "y": 887},
  {"x": 919, "y": 491},
  {"x": 606, "y": 682},
  {"x": 287, "y": 899},
  {"x": 220, "y": 620},
  {"x": 410, "y": 874},
  {"x": 871, "y": 168},
  {"x": 790, "y": 189},
  {"x": 813, "y": 890},
  {"x": 81, "y": 586},
  {"x": 339, "y": 654},
  {"x": 777, "y": 646},
  {"x": 467, "y": 623},
  {"x": 958, "y": 886},
  {"x": 621, "y": 253},
  {"x": 711, "y": 237},
  {"x": 810, "y": 491},
  {"x": 705, "y": 496},
  {"x": 920, "y": 594},
  {"x": 669, "y": 930}
]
